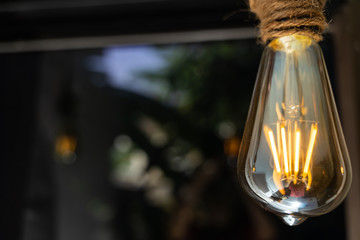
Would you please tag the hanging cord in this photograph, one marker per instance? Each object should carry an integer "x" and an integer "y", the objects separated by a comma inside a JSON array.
[{"x": 280, "y": 18}]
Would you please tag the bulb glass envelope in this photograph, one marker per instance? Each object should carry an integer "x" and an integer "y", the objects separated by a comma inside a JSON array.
[{"x": 293, "y": 157}]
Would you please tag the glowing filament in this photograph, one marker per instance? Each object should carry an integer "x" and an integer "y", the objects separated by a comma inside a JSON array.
[
  {"x": 274, "y": 152},
  {"x": 309, "y": 181},
  {"x": 310, "y": 149},
  {"x": 297, "y": 151},
  {"x": 289, "y": 146},
  {"x": 285, "y": 163},
  {"x": 284, "y": 149}
]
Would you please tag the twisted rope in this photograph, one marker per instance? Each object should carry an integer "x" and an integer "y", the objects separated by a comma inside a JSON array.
[{"x": 280, "y": 18}]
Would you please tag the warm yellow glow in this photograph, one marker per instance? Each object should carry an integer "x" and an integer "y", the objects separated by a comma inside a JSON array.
[
  {"x": 290, "y": 148},
  {"x": 231, "y": 146},
  {"x": 288, "y": 44},
  {"x": 297, "y": 151},
  {"x": 274, "y": 152},
  {"x": 65, "y": 144},
  {"x": 309, "y": 181},
  {"x": 310, "y": 148},
  {"x": 286, "y": 164},
  {"x": 291, "y": 164},
  {"x": 278, "y": 137}
]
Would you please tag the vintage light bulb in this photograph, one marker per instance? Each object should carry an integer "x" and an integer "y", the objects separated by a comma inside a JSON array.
[{"x": 293, "y": 158}]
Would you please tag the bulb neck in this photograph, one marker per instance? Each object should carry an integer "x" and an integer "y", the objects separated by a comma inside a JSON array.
[{"x": 291, "y": 43}]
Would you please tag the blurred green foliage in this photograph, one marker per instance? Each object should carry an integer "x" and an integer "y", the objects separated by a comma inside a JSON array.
[{"x": 212, "y": 82}]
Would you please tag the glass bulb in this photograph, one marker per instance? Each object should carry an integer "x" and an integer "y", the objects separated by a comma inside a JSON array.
[{"x": 293, "y": 158}]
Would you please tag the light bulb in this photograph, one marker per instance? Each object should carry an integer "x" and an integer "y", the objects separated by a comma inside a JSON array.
[{"x": 293, "y": 158}]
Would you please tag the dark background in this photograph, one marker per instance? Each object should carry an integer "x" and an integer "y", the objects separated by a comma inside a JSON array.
[{"x": 46, "y": 95}]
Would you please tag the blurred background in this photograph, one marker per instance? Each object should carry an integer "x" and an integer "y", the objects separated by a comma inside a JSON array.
[{"x": 121, "y": 120}]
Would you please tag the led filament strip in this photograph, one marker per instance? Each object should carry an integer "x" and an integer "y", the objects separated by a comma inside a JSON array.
[{"x": 283, "y": 152}]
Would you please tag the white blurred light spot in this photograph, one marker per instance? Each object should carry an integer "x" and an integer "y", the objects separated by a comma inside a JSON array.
[
  {"x": 159, "y": 189},
  {"x": 138, "y": 162},
  {"x": 153, "y": 130},
  {"x": 130, "y": 174},
  {"x": 296, "y": 204},
  {"x": 226, "y": 130},
  {"x": 186, "y": 163},
  {"x": 123, "y": 143}
]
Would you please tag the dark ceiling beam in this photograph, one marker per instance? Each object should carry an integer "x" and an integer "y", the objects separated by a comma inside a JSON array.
[
  {"x": 91, "y": 42},
  {"x": 61, "y": 21},
  {"x": 22, "y": 20}
]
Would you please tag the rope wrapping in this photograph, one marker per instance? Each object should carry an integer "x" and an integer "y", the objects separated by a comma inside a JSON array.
[{"x": 280, "y": 18}]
